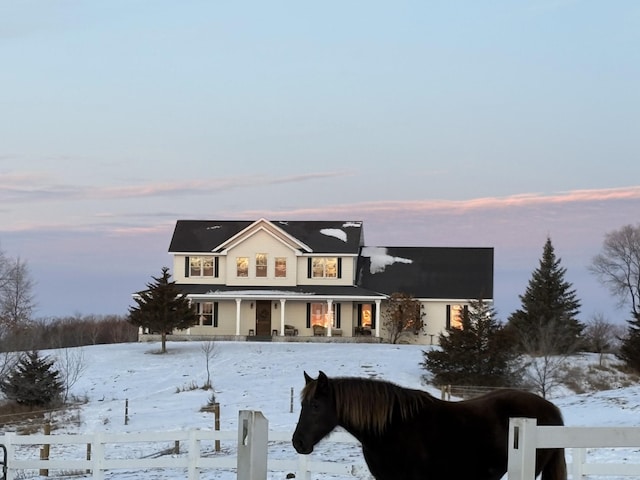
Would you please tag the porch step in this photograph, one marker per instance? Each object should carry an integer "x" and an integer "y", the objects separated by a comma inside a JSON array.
[{"x": 259, "y": 338}]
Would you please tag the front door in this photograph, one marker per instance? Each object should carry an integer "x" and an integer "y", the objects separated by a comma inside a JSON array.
[{"x": 263, "y": 317}]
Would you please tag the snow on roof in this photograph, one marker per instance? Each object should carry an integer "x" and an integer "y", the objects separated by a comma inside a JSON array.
[
  {"x": 334, "y": 232},
  {"x": 380, "y": 259},
  {"x": 352, "y": 224}
]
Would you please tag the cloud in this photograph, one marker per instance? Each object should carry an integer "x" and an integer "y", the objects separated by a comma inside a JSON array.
[
  {"x": 462, "y": 206},
  {"x": 34, "y": 187}
]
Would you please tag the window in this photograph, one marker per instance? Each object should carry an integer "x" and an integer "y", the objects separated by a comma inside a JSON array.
[
  {"x": 205, "y": 313},
  {"x": 207, "y": 267},
  {"x": 201, "y": 267},
  {"x": 454, "y": 315},
  {"x": 320, "y": 315},
  {"x": 324, "y": 267},
  {"x": 281, "y": 267},
  {"x": 261, "y": 264},
  {"x": 366, "y": 319},
  {"x": 242, "y": 266}
]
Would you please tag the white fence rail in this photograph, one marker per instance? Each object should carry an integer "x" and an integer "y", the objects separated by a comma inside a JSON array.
[
  {"x": 101, "y": 452},
  {"x": 525, "y": 436}
]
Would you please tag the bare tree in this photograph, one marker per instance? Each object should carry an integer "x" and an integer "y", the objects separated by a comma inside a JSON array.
[
  {"x": 402, "y": 315},
  {"x": 547, "y": 360},
  {"x": 208, "y": 348},
  {"x": 71, "y": 365},
  {"x": 16, "y": 295},
  {"x": 600, "y": 336},
  {"x": 618, "y": 266}
]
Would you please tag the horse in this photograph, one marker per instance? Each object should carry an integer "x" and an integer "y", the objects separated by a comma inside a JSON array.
[{"x": 409, "y": 434}]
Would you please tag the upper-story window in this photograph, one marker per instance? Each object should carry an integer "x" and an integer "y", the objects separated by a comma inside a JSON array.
[
  {"x": 281, "y": 267},
  {"x": 242, "y": 266},
  {"x": 201, "y": 267},
  {"x": 324, "y": 267},
  {"x": 261, "y": 264}
]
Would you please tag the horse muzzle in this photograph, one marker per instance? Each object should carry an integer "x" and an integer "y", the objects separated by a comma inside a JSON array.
[{"x": 301, "y": 446}]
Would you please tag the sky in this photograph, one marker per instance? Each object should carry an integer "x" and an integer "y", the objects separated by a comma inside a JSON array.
[
  {"x": 482, "y": 124},
  {"x": 262, "y": 377}
]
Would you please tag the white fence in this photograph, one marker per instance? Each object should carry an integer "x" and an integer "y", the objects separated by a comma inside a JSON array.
[
  {"x": 101, "y": 452},
  {"x": 525, "y": 436}
]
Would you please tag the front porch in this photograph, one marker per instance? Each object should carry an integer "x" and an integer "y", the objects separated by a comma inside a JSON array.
[{"x": 178, "y": 337}]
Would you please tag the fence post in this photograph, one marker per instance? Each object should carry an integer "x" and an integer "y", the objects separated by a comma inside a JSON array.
[
  {"x": 522, "y": 449},
  {"x": 253, "y": 435},
  {"x": 578, "y": 459},
  {"x": 97, "y": 452},
  {"x": 44, "y": 451},
  {"x": 216, "y": 423}
]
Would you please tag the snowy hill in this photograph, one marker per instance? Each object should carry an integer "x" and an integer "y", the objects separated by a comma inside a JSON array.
[{"x": 163, "y": 391}]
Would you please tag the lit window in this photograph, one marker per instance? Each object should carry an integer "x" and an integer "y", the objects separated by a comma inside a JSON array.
[
  {"x": 320, "y": 315},
  {"x": 201, "y": 266},
  {"x": 324, "y": 267},
  {"x": 207, "y": 267},
  {"x": 242, "y": 266},
  {"x": 281, "y": 267},
  {"x": 366, "y": 315},
  {"x": 456, "y": 316},
  {"x": 261, "y": 265}
]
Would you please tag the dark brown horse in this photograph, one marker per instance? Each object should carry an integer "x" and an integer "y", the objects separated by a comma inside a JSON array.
[{"x": 411, "y": 435}]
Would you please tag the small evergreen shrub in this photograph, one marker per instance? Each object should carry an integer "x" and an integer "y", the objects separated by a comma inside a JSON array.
[{"x": 33, "y": 381}]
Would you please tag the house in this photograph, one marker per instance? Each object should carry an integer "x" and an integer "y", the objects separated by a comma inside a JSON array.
[{"x": 316, "y": 280}]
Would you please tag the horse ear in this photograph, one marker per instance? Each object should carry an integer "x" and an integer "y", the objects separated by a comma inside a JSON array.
[
  {"x": 307, "y": 378},
  {"x": 323, "y": 382}
]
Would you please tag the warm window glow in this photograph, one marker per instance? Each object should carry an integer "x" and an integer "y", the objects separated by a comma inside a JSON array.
[
  {"x": 320, "y": 315},
  {"x": 281, "y": 267},
  {"x": 324, "y": 267},
  {"x": 207, "y": 266},
  {"x": 201, "y": 266},
  {"x": 242, "y": 266},
  {"x": 366, "y": 316},
  {"x": 261, "y": 265},
  {"x": 456, "y": 316}
]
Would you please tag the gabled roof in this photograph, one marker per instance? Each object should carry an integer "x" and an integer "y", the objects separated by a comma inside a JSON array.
[
  {"x": 428, "y": 272},
  {"x": 322, "y": 237}
]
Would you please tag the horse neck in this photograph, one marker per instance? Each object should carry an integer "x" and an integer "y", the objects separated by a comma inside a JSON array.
[{"x": 368, "y": 408}]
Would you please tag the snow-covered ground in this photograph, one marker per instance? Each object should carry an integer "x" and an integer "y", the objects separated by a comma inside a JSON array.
[{"x": 162, "y": 395}]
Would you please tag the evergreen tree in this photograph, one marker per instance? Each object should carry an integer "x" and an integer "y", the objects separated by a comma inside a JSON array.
[
  {"x": 548, "y": 299},
  {"x": 33, "y": 381},
  {"x": 630, "y": 348},
  {"x": 478, "y": 353},
  {"x": 162, "y": 308}
]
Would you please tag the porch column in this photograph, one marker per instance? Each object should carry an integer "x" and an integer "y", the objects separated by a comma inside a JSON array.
[
  {"x": 378, "y": 302},
  {"x": 329, "y": 304},
  {"x": 238, "y": 302},
  {"x": 282, "y": 302}
]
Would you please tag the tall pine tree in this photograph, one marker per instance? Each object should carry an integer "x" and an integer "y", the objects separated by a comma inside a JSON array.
[
  {"x": 549, "y": 301},
  {"x": 162, "y": 308},
  {"x": 479, "y": 353}
]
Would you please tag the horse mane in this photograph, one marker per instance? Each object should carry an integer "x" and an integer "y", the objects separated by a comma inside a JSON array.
[{"x": 369, "y": 404}]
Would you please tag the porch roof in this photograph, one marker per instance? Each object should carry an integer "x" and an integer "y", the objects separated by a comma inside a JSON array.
[{"x": 300, "y": 292}]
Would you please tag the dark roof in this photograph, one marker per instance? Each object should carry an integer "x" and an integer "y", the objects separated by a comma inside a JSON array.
[
  {"x": 202, "y": 236},
  {"x": 278, "y": 292},
  {"x": 428, "y": 272}
]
